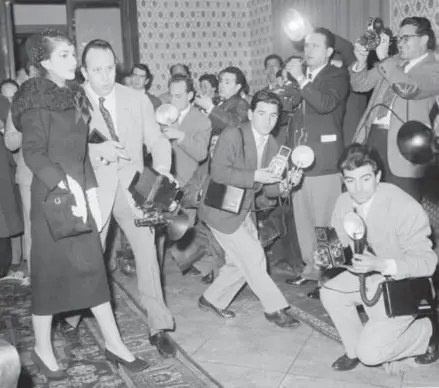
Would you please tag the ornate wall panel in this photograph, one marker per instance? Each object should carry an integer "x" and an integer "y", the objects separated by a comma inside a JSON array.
[
  {"x": 403, "y": 8},
  {"x": 208, "y": 35},
  {"x": 261, "y": 42}
]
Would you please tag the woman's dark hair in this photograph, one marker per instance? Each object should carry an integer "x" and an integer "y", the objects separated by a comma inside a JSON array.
[
  {"x": 267, "y": 97},
  {"x": 148, "y": 74},
  {"x": 43, "y": 46},
  {"x": 211, "y": 78},
  {"x": 99, "y": 44},
  {"x": 358, "y": 155},
  {"x": 9, "y": 81},
  {"x": 423, "y": 27},
  {"x": 239, "y": 77}
]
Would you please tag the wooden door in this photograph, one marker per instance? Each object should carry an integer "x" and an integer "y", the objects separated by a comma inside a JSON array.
[
  {"x": 111, "y": 20},
  {"x": 7, "y": 59}
]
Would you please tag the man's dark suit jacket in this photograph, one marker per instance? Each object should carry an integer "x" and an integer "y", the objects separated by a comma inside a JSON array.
[
  {"x": 230, "y": 113},
  {"x": 231, "y": 166},
  {"x": 324, "y": 105}
]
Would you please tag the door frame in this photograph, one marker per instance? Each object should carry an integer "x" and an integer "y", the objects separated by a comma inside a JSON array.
[{"x": 128, "y": 15}]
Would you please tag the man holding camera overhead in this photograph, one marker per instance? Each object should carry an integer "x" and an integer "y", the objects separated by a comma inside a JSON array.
[{"x": 404, "y": 89}]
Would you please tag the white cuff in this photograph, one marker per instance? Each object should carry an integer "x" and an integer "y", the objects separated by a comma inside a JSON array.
[
  {"x": 391, "y": 268},
  {"x": 356, "y": 67}
]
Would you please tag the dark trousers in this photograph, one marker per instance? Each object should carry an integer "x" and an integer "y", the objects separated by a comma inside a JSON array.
[
  {"x": 5, "y": 255},
  {"x": 377, "y": 139}
]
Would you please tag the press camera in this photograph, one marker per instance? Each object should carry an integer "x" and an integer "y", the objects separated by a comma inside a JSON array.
[
  {"x": 159, "y": 199},
  {"x": 371, "y": 39}
]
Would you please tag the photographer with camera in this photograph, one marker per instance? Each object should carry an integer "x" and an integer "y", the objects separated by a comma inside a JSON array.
[
  {"x": 404, "y": 89},
  {"x": 398, "y": 232},
  {"x": 239, "y": 166}
]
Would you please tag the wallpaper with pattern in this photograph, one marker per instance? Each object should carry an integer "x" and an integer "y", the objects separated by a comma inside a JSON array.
[
  {"x": 403, "y": 8},
  {"x": 207, "y": 35}
]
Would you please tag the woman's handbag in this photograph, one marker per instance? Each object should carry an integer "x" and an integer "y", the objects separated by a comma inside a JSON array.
[{"x": 60, "y": 219}]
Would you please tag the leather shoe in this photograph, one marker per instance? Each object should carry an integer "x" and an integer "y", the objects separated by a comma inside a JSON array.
[
  {"x": 208, "y": 279},
  {"x": 344, "y": 363},
  {"x": 282, "y": 318},
  {"x": 432, "y": 353},
  {"x": 163, "y": 344},
  {"x": 205, "y": 305},
  {"x": 298, "y": 281},
  {"x": 314, "y": 294}
]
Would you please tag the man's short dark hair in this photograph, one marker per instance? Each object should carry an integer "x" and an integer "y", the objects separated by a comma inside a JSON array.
[
  {"x": 423, "y": 27},
  {"x": 271, "y": 57},
  {"x": 185, "y": 67},
  {"x": 358, "y": 155},
  {"x": 267, "y": 97},
  {"x": 239, "y": 77},
  {"x": 329, "y": 36},
  {"x": 183, "y": 78},
  {"x": 99, "y": 44},
  {"x": 211, "y": 78},
  {"x": 148, "y": 74}
]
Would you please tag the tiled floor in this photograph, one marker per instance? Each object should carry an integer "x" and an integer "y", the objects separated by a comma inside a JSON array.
[{"x": 250, "y": 352}]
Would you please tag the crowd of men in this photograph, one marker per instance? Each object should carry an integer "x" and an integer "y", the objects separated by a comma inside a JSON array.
[{"x": 225, "y": 136}]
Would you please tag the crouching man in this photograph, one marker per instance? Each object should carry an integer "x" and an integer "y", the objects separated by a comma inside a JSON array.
[
  {"x": 398, "y": 232},
  {"x": 241, "y": 158}
]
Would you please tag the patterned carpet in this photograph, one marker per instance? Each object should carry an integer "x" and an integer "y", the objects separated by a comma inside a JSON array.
[{"x": 84, "y": 359}]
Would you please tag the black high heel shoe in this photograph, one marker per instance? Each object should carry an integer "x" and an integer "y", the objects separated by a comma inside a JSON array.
[
  {"x": 136, "y": 365},
  {"x": 44, "y": 369}
]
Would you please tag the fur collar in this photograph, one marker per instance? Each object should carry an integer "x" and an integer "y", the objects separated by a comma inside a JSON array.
[{"x": 42, "y": 93}]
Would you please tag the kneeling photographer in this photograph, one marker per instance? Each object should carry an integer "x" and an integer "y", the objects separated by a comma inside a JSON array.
[{"x": 390, "y": 270}]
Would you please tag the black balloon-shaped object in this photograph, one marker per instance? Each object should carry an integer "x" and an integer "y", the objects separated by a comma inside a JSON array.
[{"x": 417, "y": 142}]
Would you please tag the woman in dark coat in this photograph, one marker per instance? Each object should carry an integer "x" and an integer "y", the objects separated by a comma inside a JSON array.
[
  {"x": 67, "y": 274},
  {"x": 11, "y": 221}
]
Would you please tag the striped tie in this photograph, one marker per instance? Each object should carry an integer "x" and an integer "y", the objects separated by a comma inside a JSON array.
[{"x": 108, "y": 120}]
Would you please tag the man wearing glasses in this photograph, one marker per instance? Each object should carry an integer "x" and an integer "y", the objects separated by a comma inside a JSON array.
[{"x": 404, "y": 88}]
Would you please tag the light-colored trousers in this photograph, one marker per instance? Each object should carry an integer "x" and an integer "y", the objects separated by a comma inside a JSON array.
[
  {"x": 142, "y": 243},
  {"x": 245, "y": 263},
  {"x": 381, "y": 339},
  {"x": 313, "y": 205}
]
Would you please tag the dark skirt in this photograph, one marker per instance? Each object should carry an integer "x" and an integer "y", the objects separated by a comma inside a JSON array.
[
  {"x": 68, "y": 274},
  {"x": 377, "y": 139}
]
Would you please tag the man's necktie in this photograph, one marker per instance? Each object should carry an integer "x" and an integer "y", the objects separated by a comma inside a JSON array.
[
  {"x": 108, "y": 120},
  {"x": 309, "y": 75},
  {"x": 260, "y": 146},
  {"x": 388, "y": 97}
]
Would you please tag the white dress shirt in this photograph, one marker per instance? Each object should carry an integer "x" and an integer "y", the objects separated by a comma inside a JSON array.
[
  {"x": 109, "y": 103},
  {"x": 183, "y": 114},
  {"x": 363, "y": 211},
  {"x": 261, "y": 141}
]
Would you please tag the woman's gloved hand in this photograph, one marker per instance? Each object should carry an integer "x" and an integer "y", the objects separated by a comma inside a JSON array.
[{"x": 80, "y": 210}]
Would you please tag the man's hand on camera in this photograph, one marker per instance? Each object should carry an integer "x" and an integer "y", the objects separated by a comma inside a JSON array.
[
  {"x": 367, "y": 262},
  {"x": 110, "y": 151},
  {"x": 361, "y": 54},
  {"x": 266, "y": 177}
]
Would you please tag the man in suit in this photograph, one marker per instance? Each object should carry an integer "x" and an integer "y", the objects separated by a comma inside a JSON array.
[
  {"x": 398, "y": 232},
  {"x": 407, "y": 84},
  {"x": 240, "y": 160},
  {"x": 232, "y": 109},
  {"x": 190, "y": 138},
  {"x": 324, "y": 90},
  {"x": 126, "y": 118}
]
